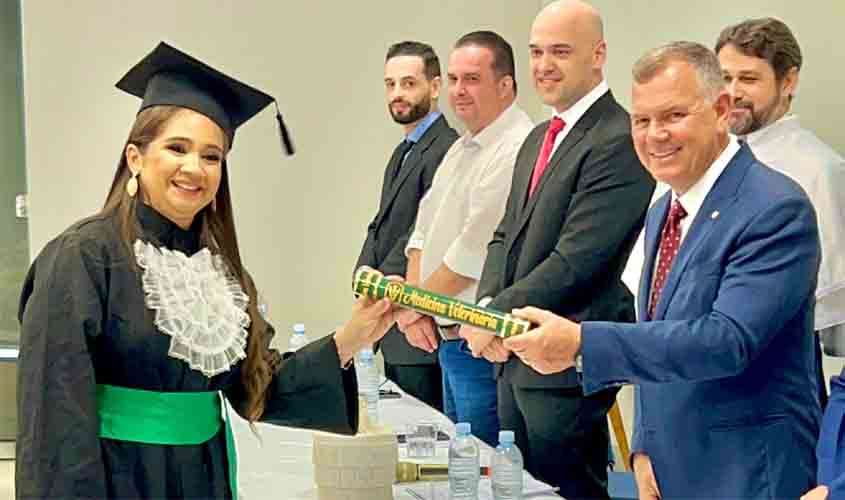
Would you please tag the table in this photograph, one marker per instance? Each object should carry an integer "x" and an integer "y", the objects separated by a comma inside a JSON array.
[{"x": 276, "y": 464}]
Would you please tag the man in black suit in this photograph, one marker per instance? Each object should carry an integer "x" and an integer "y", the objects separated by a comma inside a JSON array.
[
  {"x": 412, "y": 85},
  {"x": 577, "y": 202}
]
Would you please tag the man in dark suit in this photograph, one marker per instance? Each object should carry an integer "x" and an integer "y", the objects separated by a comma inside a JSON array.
[
  {"x": 724, "y": 353},
  {"x": 576, "y": 205},
  {"x": 412, "y": 85}
]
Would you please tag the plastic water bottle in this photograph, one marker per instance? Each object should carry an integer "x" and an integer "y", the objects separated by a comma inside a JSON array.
[
  {"x": 297, "y": 338},
  {"x": 507, "y": 469},
  {"x": 464, "y": 464},
  {"x": 368, "y": 382}
]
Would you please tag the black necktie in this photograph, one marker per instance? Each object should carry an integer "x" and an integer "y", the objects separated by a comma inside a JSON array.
[{"x": 396, "y": 159}]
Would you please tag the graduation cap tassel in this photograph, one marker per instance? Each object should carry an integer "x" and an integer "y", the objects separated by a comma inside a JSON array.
[{"x": 283, "y": 131}]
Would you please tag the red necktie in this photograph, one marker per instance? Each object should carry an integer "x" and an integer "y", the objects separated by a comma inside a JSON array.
[
  {"x": 555, "y": 126},
  {"x": 670, "y": 240}
]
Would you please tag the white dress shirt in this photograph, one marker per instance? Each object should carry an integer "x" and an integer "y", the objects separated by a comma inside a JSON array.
[
  {"x": 798, "y": 153},
  {"x": 696, "y": 194},
  {"x": 634, "y": 267},
  {"x": 467, "y": 198},
  {"x": 571, "y": 116}
]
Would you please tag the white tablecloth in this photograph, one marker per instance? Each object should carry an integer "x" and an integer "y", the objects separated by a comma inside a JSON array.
[{"x": 276, "y": 464}]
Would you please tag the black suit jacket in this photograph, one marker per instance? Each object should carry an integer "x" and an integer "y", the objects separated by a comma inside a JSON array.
[
  {"x": 564, "y": 248},
  {"x": 388, "y": 233}
]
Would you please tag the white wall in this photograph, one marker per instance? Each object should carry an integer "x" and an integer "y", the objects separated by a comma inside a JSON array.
[{"x": 632, "y": 27}]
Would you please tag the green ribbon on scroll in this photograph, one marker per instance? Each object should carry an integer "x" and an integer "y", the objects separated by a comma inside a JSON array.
[{"x": 372, "y": 283}]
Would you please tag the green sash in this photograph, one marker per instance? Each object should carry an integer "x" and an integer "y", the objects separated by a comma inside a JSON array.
[{"x": 166, "y": 418}]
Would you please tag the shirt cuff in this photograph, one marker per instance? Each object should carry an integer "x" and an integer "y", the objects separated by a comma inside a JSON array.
[
  {"x": 415, "y": 242},
  {"x": 464, "y": 261},
  {"x": 484, "y": 301},
  {"x": 444, "y": 323}
]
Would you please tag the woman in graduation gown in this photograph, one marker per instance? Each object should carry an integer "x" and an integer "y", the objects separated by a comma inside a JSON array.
[{"x": 137, "y": 322}]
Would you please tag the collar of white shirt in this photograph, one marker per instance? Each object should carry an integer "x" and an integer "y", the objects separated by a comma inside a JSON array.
[
  {"x": 571, "y": 116},
  {"x": 493, "y": 132},
  {"x": 695, "y": 195},
  {"x": 779, "y": 128}
]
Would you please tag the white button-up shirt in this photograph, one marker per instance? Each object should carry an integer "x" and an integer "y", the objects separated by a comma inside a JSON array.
[
  {"x": 467, "y": 199},
  {"x": 691, "y": 201},
  {"x": 694, "y": 197},
  {"x": 798, "y": 153}
]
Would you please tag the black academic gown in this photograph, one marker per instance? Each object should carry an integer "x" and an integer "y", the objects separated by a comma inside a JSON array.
[{"x": 84, "y": 321}]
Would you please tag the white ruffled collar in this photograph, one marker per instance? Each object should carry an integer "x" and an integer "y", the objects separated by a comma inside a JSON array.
[{"x": 198, "y": 303}]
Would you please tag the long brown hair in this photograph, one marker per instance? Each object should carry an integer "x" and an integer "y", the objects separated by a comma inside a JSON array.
[{"x": 217, "y": 233}]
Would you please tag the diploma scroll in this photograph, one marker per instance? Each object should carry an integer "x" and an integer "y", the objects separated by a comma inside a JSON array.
[{"x": 372, "y": 283}]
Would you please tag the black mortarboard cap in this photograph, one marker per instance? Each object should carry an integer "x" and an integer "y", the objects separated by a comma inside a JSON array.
[{"x": 168, "y": 76}]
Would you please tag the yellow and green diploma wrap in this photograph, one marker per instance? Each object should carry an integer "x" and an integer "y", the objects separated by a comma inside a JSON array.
[{"x": 373, "y": 284}]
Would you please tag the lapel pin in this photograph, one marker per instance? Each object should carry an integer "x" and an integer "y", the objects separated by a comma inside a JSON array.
[{"x": 714, "y": 215}]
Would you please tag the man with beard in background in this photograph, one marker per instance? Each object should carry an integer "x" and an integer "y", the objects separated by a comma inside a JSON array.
[
  {"x": 412, "y": 86},
  {"x": 761, "y": 63}
]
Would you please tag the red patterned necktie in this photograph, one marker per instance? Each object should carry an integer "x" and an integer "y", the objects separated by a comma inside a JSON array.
[
  {"x": 555, "y": 126},
  {"x": 670, "y": 240}
]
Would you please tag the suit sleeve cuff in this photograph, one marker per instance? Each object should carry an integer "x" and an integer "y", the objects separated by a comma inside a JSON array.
[{"x": 595, "y": 359}]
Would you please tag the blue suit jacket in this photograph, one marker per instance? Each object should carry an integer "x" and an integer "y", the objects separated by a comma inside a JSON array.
[{"x": 728, "y": 401}]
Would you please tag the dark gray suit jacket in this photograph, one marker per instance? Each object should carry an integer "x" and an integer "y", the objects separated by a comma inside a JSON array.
[
  {"x": 388, "y": 233},
  {"x": 564, "y": 248}
]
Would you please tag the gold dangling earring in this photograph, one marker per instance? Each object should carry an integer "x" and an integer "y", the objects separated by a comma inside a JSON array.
[{"x": 132, "y": 185}]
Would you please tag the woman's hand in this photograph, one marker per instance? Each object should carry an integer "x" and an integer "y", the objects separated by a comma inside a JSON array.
[{"x": 369, "y": 322}]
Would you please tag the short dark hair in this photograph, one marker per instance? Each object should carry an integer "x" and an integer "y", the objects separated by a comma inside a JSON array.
[
  {"x": 765, "y": 38},
  {"x": 503, "y": 63},
  {"x": 431, "y": 64}
]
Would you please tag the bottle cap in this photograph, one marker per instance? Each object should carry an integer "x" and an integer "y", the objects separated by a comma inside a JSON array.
[
  {"x": 506, "y": 437},
  {"x": 463, "y": 428}
]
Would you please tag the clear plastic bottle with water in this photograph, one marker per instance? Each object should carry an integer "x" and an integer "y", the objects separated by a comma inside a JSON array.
[
  {"x": 298, "y": 339},
  {"x": 507, "y": 469},
  {"x": 464, "y": 464},
  {"x": 367, "y": 373}
]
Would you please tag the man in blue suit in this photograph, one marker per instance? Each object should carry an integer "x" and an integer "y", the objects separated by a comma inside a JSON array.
[{"x": 724, "y": 354}]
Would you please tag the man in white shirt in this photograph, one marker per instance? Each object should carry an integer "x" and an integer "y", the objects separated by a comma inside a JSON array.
[
  {"x": 457, "y": 216},
  {"x": 761, "y": 61}
]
